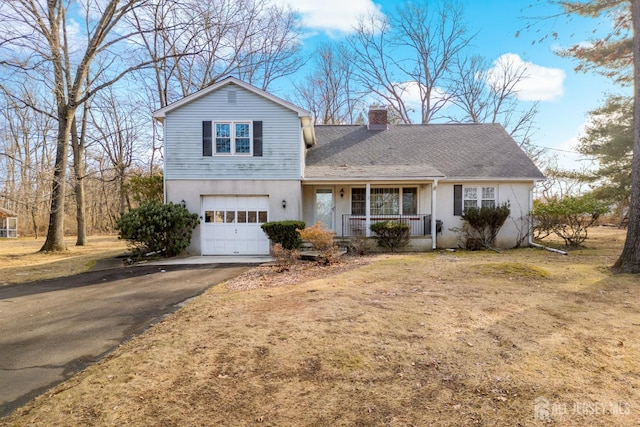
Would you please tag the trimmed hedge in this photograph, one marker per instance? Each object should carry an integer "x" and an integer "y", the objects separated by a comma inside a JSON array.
[
  {"x": 391, "y": 234},
  {"x": 284, "y": 232}
]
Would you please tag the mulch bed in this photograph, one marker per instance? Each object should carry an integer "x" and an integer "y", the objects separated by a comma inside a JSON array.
[{"x": 268, "y": 275}]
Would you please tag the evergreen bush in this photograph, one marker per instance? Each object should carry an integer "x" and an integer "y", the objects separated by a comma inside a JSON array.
[
  {"x": 483, "y": 224},
  {"x": 158, "y": 228},
  {"x": 284, "y": 232},
  {"x": 392, "y": 235}
]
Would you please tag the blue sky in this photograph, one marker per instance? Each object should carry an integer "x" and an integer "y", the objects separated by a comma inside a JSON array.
[{"x": 565, "y": 96}]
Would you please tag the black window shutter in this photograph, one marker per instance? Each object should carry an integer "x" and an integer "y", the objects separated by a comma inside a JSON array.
[
  {"x": 257, "y": 139},
  {"x": 457, "y": 200},
  {"x": 207, "y": 140}
]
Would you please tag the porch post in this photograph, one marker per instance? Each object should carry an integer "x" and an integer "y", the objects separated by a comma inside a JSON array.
[
  {"x": 434, "y": 232},
  {"x": 367, "y": 208}
]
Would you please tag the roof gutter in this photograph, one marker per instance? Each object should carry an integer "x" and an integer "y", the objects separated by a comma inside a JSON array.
[
  {"x": 361, "y": 179},
  {"x": 491, "y": 178},
  {"x": 308, "y": 132}
]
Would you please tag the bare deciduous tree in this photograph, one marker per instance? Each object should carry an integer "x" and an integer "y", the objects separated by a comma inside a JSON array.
[
  {"x": 25, "y": 155},
  {"x": 485, "y": 94},
  {"x": 42, "y": 46},
  {"x": 117, "y": 130},
  {"x": 327, "y": 92},
  {"x": 273, "y": 47},
  {"x": 412, "y": 51},
  {"x": 376, "y": 70}
]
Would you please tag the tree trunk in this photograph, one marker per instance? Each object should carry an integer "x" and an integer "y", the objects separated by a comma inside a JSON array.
[
  {"x": 629, "y": 261},
  {"x": 33, "y": 211},
  {"x": 55, "y": 233},
  {"x": 77, "y": 143},
  {"x": 123, "y": 193}
]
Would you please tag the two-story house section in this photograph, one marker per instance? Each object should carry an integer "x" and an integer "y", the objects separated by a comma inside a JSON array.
[{"x": 235, "y": 154}]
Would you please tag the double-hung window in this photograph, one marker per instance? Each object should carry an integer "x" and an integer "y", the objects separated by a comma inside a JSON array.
[
  {"x": 478, "y": 197},
  {"x": 232, "y": 138},
  {"x": 385, "y": 201}
]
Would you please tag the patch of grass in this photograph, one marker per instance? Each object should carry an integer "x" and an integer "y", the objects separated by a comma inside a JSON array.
[
  {"x": 345, "y": 360},
  {"x": 419, "y": 339},
  {"x": 514, "y": 269},
  {"x": 21, "y": 262}
]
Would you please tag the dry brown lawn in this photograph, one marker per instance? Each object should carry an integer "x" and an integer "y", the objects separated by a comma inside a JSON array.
[
  {"x": 464, "y": 338},
  {"x": 21, "y": 261}
]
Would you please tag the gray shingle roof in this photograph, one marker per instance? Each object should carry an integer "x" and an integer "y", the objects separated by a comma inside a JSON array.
[{"x": 474, "y": 151}]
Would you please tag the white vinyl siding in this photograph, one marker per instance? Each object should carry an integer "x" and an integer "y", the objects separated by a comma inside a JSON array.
[{"x": 281, "y": 138}]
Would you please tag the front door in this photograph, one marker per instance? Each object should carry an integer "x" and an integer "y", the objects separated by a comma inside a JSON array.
[{"x": 324, "y": 207}]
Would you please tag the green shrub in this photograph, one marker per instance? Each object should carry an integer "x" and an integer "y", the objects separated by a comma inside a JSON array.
[
  {"x": 284, "y": 232},
  {"x": 392, "y": 235},
  {"x": 159, "y": 228},
  {"x": 568, "y": 217},
  {"x": 483, "y": 224}
]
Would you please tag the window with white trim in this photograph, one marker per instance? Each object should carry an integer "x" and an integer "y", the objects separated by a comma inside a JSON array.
[
  {"x": 385, "y": 201},
  {"x": 235, "y": 217},
  {"x": 232, "y": 138},
  {"x": 474, "y": 197}
]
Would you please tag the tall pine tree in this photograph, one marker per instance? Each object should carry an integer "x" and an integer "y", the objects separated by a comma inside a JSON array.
[
  {"x": 617, "y": 55},
  {"x": 609, "y": 138}
]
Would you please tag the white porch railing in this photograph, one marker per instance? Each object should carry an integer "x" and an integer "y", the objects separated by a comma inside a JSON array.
[{"x": 355, "y": 225}]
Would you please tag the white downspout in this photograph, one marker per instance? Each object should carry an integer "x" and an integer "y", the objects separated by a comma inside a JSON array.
[
  {"x": 367, "y": 210},
  {"x": 529, "y": 214},
  {"x": 434, "y": 232},
  {"x": 164, "y": 163}
]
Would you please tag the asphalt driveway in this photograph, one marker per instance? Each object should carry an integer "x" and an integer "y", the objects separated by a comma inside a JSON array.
[{"x": 51, "y": 329}]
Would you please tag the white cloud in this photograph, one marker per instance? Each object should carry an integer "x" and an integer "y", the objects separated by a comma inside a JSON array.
[
  {"x": 566, "y": 152},
  {"x": 331, "y": 15},
  {"x": 540, "y": 83},
  {"x": 568, "y": 157},
  {"x": 411, "y": 95}
]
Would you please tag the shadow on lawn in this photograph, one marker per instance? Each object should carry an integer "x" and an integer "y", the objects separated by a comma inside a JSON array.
[{"x": 93, "y": 278}]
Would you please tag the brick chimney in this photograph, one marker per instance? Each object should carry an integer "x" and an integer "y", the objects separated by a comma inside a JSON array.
[{"x": 377, "y": 117}]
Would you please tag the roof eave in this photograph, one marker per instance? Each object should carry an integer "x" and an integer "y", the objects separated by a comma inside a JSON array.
[
  {"x": 162, "y": 112},
  {"x": 493, "y": 178},
  {"x": 370, "y": 178}
]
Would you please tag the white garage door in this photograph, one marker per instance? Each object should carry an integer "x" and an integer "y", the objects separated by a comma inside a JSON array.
[{"x": 232, "y": 225}]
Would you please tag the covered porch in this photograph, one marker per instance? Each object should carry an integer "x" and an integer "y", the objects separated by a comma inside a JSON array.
[
  {"x": 350, "y": 207},
  {"x": 356, "y": 225}
]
